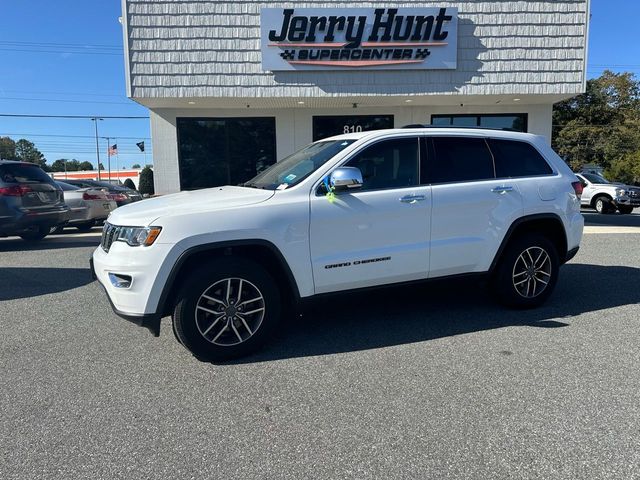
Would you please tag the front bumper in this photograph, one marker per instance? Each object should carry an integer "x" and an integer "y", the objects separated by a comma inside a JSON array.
[
  {"x": 148, "y": 321},
  {"x": 628, "y": 201}
]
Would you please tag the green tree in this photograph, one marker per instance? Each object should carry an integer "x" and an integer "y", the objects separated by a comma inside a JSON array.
[
  {"x": 602, "y": 125},
  {"x": 7, "y": 149},
  {"x": 146, "y": 181},
  {"x": 129, "y": 184},
  {"x": 135, "y": 165},
  {"x": 26, "y": 151},
  {"x": 85, "y": 166},
  {"x": 65, "y": 165},
  {"x": 625, "y": 169}
]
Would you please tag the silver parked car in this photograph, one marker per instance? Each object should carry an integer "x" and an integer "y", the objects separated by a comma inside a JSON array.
[{"x": 87, "y": 206}]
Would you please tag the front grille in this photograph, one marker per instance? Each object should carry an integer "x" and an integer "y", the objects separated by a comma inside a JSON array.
[
  {"x": 634, "y": 193},
  {"x": 109, "y": 235}
]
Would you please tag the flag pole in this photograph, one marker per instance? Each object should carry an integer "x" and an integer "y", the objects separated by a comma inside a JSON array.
[
  {"x": 118, "y": 161},
  {"x": 109, "y": 157}
]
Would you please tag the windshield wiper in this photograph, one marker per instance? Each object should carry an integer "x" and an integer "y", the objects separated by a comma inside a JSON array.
[{"x": 249, "y": 185}]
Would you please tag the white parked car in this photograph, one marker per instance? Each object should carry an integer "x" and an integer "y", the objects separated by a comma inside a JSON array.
[
  {"x": 606, "y": 196},
  {"x": 87, "y": 206},
  {"x": 349, "y": 212}
]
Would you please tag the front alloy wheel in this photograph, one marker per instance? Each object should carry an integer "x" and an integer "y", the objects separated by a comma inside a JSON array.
[
  {"x": 230, "y": 311},
  {"x": 227, "y": 308},
  {"x": 531, "y": 272}
]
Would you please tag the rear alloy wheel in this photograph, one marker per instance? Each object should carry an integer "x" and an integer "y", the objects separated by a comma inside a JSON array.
[
  {"x": 625, "y": 209},
  {"x": 602, "y": 205},
  {"x": 227, "y": 309},
  {"x": 527, "y": 273},
  {"x": 36, "y": 234}
]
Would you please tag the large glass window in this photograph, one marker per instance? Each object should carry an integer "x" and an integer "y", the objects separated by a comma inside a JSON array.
[
  {"x": 224, "y": 151},
  {"x": 389, "y": 164},
  {"x": 328, "y": 126},
  {"x": 518, "y": 159},
  {"x": 509, "y": 121},
  {"x": 460, "y": 159}
]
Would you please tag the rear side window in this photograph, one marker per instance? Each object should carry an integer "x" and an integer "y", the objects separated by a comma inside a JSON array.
[
  {"x": 518, "y": 159},
  {"x": 23, "y": 174},
  {"x": 460, "y": 159}
]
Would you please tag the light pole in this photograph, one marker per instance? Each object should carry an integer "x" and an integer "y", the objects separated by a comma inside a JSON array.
[{"x": 95, "y": 120}]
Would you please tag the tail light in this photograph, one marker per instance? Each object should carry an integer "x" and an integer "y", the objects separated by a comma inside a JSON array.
[
  {"x": 577, "y": 187},
  {"x": 118, "y": 197},
  {"x": 88, "y": 196},
  {"x": 15, "y": 191}
]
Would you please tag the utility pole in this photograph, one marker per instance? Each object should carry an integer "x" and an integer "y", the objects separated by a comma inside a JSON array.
[{"x": 95, "y": 120}]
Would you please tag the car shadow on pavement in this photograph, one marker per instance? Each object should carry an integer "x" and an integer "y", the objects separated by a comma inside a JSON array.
[
  {"x": 19, "y": 282},
  {"x": 54, "y": 243},
  {"x": 404, "y": 315},
  {"x": 611, "y": 220}
]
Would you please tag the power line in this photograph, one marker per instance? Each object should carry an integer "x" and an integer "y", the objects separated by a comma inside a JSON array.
[
  {"x": 22, "y": 115},
  {"x": 74, "y": 136},
  {"x": 57, "y": 51},
  {"x": 66, "y": 101},
  {"x": 49, "y": 44}
]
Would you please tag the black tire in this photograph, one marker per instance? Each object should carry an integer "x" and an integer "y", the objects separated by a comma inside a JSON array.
[
  {"x": 602, "y": 204},
  {"x": 510, "y": 272},
  {"x": 625, "y": 209},
  {"x": 212, "y": 278},
  {"x": 85, "y": 227},
  {"x": 36, "y": 234}
]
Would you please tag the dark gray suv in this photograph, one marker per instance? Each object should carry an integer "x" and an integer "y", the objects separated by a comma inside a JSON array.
[{"x": 30, "y": 201}]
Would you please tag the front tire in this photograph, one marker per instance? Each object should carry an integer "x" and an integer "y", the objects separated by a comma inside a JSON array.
[
  {"x": 602, "y": 205},
  {"x": 527, "y": 273},
  {"x": 625, "y": 209},
  {"x": 227, "y": 308}
]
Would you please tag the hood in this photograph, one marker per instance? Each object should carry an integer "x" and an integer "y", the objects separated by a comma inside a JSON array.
[{"x": 143, "y": 213}]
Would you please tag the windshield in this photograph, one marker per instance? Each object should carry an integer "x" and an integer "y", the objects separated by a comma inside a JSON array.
[
  {"x": 593, "y": 178},
  {"x": 298, "y": 166}
]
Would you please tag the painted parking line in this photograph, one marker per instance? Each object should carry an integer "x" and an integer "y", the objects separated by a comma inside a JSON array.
[{"x": 605, "y": 229}]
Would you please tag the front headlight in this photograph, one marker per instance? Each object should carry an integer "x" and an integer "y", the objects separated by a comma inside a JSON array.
[
  {"x": 620, "y": 192},
  {"x": 136, "y": 236}
]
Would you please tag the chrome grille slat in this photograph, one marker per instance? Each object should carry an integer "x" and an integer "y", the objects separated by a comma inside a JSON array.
[{"x": 109, "y": 234}]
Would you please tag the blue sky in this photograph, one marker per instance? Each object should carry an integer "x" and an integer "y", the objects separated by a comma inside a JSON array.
[{"x": 65, "y": 58}]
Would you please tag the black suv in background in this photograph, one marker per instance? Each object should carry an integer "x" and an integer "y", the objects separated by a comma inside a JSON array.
[
  {"x": 31, "y": 203},
  {"x": 121, "y": 195}
]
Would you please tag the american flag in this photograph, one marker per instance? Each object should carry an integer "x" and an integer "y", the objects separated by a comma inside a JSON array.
[{"x": 113, "y": 150}]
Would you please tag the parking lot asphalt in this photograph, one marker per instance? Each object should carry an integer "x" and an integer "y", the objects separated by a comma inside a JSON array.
[{"x": 434, "y": 381}]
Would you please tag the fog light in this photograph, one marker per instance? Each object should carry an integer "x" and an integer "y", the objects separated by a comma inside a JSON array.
[{"x": 120, "y": 281}]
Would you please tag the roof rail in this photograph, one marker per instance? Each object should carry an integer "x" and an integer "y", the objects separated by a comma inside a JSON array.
[{"x": 419, "y": 125}]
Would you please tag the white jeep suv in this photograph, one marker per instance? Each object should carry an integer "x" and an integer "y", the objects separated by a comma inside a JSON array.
[{"x": 353, "y": 211}]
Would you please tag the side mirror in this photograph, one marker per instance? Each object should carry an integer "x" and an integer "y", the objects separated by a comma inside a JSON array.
[{"x": 345, "y": 178}]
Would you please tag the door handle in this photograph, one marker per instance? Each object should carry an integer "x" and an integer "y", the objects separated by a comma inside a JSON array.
[
  {"x": 502, "y": 189},
  {"x": 412, "y": 198}
]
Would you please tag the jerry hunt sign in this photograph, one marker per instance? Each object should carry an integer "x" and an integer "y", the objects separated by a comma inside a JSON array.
[{"x": 359, "y": 38}]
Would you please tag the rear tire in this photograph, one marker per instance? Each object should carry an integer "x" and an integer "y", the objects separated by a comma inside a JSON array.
[
  {"x": 227, "y": 308},
  {"x": 602, "y": 204},
  {"x": 625, "y": 209},
  {"x": 527, "y": 273},
  {"x": 36, "y": 235}
]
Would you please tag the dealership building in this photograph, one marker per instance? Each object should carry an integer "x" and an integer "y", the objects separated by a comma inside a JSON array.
[{"x": 234, "y": 86}]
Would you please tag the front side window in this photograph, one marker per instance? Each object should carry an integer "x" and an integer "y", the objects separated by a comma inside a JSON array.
[
  {"x": 460, "y": 159},
  {"x": 389, "y": 164},
  {"x": 518, "y": 159},
  {"x": 298, "y": 166},
  {"x": 593, "y": 178}
]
